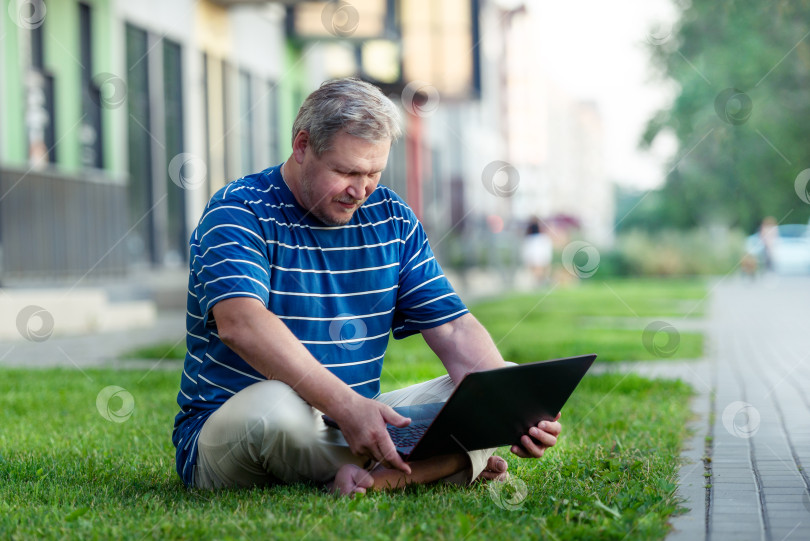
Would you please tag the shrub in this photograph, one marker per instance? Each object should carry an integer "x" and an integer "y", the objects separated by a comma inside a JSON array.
[{"x": 703, "y": 251}]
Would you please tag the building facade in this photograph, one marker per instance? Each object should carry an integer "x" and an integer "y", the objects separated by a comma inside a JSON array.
[{"x": 119, "y": 119}]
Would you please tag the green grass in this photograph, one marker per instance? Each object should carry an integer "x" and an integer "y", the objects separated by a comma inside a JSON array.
[
  {"x": 67, "y": 472},
  {"x": 562, "y": 322}
]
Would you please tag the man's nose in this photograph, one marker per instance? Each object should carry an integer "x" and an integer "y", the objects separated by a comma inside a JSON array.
[{"x": 359, "y": 187}]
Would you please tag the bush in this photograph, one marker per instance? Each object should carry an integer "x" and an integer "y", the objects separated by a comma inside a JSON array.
[{"x": 697, "y": 252}]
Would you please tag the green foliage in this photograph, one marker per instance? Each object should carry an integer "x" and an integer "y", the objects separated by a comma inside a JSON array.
[
  {"x": 741, "y": 69},
  {"x": 694, "y": 252},
  {"x": 67, "y": 473}
]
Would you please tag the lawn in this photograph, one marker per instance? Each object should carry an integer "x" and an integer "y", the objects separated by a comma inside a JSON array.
[
  {"x": 66, "y": 471},
  {"x": 79, "y": 462},
  {"x": 604, "y": 317}
]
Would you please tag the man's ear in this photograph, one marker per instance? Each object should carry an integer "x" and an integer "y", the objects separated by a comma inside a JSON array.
[{"x": 300, "y": 145}]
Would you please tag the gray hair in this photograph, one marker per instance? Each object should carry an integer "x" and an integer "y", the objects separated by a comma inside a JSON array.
[{"x": 350, "y": 105}]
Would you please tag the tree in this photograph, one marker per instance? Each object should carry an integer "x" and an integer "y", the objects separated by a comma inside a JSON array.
[{"x": 742, "y": 69}]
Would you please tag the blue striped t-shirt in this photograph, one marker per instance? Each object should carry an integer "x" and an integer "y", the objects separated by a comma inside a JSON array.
[{"x": 340, "y": 289}]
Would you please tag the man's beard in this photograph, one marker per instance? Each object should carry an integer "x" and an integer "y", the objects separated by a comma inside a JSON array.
[{"x": 309, "y": 199}]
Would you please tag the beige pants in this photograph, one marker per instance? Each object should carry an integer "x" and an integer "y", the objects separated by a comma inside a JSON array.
[{"x": 267, "y": 434}]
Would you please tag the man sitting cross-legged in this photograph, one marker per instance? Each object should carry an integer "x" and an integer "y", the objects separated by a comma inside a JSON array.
[{"x": 298, "y": 274}]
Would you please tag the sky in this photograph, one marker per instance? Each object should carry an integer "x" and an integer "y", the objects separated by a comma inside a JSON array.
[{"x": 598, "y": 51}]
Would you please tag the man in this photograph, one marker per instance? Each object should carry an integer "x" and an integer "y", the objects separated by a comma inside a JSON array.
[{"x": 298, "y": 275}]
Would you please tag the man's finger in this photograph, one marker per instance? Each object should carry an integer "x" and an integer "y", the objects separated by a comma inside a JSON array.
[
  {"x": 544, "y": 437},
  {"x": 519, "y": 451},
  {"x": 392, "y": 458},
  {"x": 552, "y": 427},
  {"x": 531, "y": 447},
  {"x": 393, "y": 418}
]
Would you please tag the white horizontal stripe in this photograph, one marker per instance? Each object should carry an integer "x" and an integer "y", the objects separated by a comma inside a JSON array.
[
  {"x": 247, "y": 248},
  {"x": 301, "y": 294},
  {"x": 194, "y": 316},
  {"x": 202, "y": 398},
  {"x": 341, "y": 365},
  {"x": 336, "y": 318},
  {"x": 253, "y": 188},
  {"x": 205, "y": 253},
  {"x": 365, "y": 339},
  {"x": 272, "y": 206},
  {"x": 255, "y": 251},
  {"x": 215, "y": 385},
  {"x": 431, "y": 300},
  {"x": 349, "y": 271},
  {"x": 423, "y": 262},
  {"x": 435, "y": 320},
  {"x": 204, "y": 339},
  {"x": 420, "y": 285},
  {"x": 192, "y": 293},
  {"x": 228, "y": 260},
  {"x": 386, "y": 200},
  {"x": 194, "y": 357},
  {"x": 189, "y": 442},
  {"x": 413, "y": 230},
  {"x": 235, "y": 294},
  {"x": 364, "y": 382},
  {"x": 245, "y": 276},
  {"x": 338, "y": 248},
  {"x": 233, "y": 226},
  {"x": 233, "y": 369},
  {"x": 414, "y": 256},
  {"x": 189, "y": 377},
  {"x": 184, "y": 394},
  {"x": 223, "y": 207}
]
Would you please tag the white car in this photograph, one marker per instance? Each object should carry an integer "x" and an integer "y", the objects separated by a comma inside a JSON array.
[{"x": 791, "y": 252}]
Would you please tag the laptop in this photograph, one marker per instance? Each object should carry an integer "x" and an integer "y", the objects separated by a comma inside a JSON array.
[{"x": 489, "y": 408}]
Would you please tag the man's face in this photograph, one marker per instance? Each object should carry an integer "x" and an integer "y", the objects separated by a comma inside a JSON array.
[{"x": 336, "y": 184}]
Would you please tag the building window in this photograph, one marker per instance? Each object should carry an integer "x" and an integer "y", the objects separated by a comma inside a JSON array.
[
  {"x": 42, "y": 123},
  {"x": 90, "y": 135},
  {"x": 273, "y": 135},
  {"x": 141, "y": 240},
  {"x": 177, "y": 245}
]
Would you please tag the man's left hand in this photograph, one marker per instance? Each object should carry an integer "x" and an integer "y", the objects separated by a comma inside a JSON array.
[{"x": 538, "y": 439}]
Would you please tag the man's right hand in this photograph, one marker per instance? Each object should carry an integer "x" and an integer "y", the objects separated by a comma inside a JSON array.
[{"x": 363, "y": 425}]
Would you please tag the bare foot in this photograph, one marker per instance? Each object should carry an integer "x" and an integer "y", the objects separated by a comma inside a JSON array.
[
  {"x": 495, "y": 470},
  {"x": 351, "y": 479}
]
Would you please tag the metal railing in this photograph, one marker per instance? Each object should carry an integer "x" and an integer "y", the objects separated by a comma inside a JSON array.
[{"x": 57, "y": 228}]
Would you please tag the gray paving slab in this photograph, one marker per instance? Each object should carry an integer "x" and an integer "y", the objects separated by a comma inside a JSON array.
[{"x": 759, "y": 374}]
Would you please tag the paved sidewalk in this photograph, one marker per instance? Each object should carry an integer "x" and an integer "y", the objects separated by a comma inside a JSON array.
[
  {"x": 97, "y": 349},
  {"x": 752, "y": 415},
  {"x": 755, "y": 426}
]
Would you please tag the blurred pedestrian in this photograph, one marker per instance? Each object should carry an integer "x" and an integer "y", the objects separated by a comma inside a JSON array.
[
  {"x": 537, "y": 250},
  {"x": 769, "y": 235}
]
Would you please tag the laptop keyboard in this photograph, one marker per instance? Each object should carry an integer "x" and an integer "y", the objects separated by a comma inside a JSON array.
[{"x": 405, "y": 438}]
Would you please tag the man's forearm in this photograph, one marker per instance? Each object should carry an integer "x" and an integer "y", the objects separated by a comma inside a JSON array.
[
  {"x": 464, "y": 346},
  {"x": 266, "y": 344}
]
